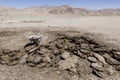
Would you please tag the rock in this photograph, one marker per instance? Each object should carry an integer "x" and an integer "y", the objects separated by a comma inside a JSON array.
[
  {"x": 12, "y": 54},
  {"x": 14, "y": 63},
  {"x": 100, "y": 58},
  {"x": 111, "y": 60},
  {"x": 97, "y": 67},
  {"x": 48, "y": 59},
  {"x": 31, "y": 64},
  {"x": 42, "y": 51},
  {"x": 85, "y": 51},
  {"x": 23, "y": 59},
  {"x": 5, "y": 57},
  {"x": 59, "y": 44},
  {"x": 65, "y": 55},
  {"x": 117, "y": 55},
  {"x": 85, "y": 46},
  {"x": 101, "y": 49},
  {"x": 37, "y": 60},
  {"x": 6, "y": 51},
  {"x": 81, "y": 55},
  {"x": 92, "y": 59},
  {"x": 97, "y": 73},
  {"x": 74, "y": 77},
  {"x": 56, "y": 52},
  {"x": 42, "y": 65},
  {"x": 66, "y": 64},
  {"x": 117, "y": 68},
  {"x": 30, "y": 58},
  {"x": 72, "y": 69}
]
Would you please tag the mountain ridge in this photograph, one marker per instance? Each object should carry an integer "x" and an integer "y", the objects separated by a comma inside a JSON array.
[{"x": 59, "y": 10}]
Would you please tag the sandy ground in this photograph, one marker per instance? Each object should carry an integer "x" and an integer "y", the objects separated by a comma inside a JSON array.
[
  {"x": 14, "y": 31},
  {"x": 108, "y": 26}
]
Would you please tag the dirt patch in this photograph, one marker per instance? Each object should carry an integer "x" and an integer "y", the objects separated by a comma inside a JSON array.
[{"x": 78, "y": 55}]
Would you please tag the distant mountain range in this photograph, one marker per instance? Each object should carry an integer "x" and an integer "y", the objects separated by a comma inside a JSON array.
[{"x": 65, "y": 10}]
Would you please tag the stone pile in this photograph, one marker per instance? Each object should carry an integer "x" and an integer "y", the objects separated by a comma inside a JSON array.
[{"x": 79, "y": 55}]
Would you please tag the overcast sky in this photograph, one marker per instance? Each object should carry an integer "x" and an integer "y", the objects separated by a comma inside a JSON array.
[{"x": 90, "y": 4}]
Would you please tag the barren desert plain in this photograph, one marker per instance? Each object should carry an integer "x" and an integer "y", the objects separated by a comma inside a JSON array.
[{"x": 92, "y": 51}]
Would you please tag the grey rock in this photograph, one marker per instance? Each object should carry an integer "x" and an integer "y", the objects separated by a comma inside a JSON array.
[
  {"x": 92, "y": 59},
  {"x": 100, "y": 58},
  {"x": 111, "y": 60},
  {"x": 117, "y": 55},
  {"x": 81, "y": 55},
  {"x": 65, "y": 55},
  {"x": 85, "y": 46},
  {"x": 85, "y": 51},
  {"x": 97, "y": 67},
  {"x": 99, "y": 74}
]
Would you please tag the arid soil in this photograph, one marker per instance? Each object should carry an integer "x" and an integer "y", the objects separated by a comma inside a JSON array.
[{"x": 73, "y": 48}]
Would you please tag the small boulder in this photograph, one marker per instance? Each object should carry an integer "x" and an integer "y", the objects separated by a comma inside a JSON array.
[
  {"x": 92, "y": 59},
  {"x": 85, "y": 51},
  {"x": 100, "y": 58},
  {"x": 117, "y": 55},
  {"x": 81, "y": 55},
  {"x": 97, "y": 67},
  {"x": 65, "y": 55},
  {"x": 111, "y": 60},
  {"x": 99, "y": 74},
  {"x": 85, "y": 46}
]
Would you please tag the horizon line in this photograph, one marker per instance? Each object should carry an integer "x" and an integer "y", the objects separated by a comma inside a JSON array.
[{"x": 55, "y": 6}]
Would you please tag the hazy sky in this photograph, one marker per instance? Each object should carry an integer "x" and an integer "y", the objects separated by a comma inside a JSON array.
[{"x": 90, "y": 4}]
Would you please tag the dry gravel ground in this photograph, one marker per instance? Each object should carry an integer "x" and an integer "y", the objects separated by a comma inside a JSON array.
[{"x": 15, "y": 29}]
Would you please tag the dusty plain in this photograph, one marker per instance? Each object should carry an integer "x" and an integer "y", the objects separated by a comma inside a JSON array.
[{"x": 14, "y": 31}]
